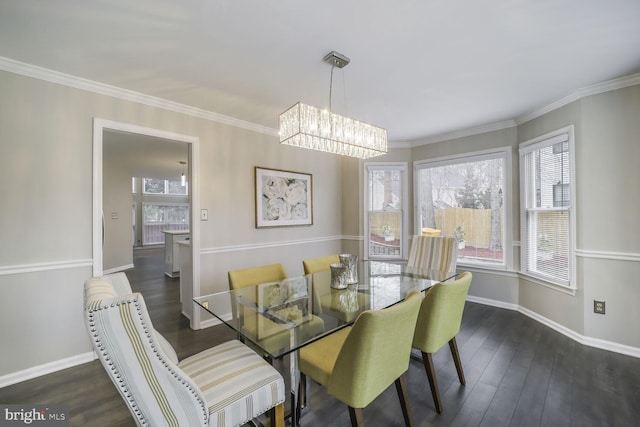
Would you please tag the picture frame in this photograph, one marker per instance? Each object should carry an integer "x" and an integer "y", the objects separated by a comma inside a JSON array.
[{"x": 283, "y": 198}]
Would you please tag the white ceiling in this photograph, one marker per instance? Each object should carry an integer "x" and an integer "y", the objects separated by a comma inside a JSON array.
[
  {"x": 419, "y": 68},
  {"x": 145, "y": 156}
]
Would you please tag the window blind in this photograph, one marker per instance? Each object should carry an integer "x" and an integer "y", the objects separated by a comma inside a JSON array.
[{"x": 547, "y": 193}]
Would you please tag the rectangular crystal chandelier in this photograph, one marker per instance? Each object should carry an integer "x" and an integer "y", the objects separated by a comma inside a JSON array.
[{"x": 310, "y": 127}]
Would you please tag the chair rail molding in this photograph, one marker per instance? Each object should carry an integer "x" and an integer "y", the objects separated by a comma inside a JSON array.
[
  {"x": 267, "y": 245},
  {"x": 45, "y": 266},
  {"x": 616, "y": 256}
]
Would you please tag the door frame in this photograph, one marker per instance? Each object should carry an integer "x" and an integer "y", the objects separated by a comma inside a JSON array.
[{"x": 99, "y": 126}]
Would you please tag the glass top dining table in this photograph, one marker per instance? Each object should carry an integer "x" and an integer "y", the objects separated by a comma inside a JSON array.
[{"x": 281, "y": 317}]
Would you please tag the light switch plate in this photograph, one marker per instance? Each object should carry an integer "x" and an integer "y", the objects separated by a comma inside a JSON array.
[{"x": 204, "y": 214}]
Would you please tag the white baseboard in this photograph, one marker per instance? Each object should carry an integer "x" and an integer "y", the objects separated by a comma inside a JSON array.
[
  {"x": 209, "y": 323},
  {"x": 588, "y": 341},
  {"x": 214, "y": 321},
  {"x": 582, "y": 339},
  {"x": 493, "y": 303},
  {"x": 47, "y": 368},
  {"x": 69, "y": 362},
  {"x": 612, "y": 346},
  {"x": 117, "y": 269}
]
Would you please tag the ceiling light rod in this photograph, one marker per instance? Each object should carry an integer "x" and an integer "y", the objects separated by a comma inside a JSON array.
[
  {"x": 183, "y": 179},
  {"x": 309, "y": 127},
  {"x": 336, "y": 60}
]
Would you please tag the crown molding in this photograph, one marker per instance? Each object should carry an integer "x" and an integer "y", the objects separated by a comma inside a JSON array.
[
  {"x": 491, "y": 127},
  {"x": 36, "y": 72},
  {"x": 399, "y": 144},
  {"x": 608, "y": 86}
]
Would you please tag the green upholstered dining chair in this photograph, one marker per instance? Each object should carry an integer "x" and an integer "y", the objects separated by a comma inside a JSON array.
[
  {"x": 433, "y": 253},
  {"x": 439, "y": 323},
  {"x": 270, "y": 335},
  {"x": 357, "y": 363},
  {"x": 226, "y": 385}
]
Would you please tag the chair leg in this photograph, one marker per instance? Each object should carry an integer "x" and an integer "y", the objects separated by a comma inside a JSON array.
[
  {"x": 276, "y": 414},
  {"x": 401, "y": 388},
  {"x": 456, "y": 359},
  {"x": 433, "y": 382},
  {"x": 356, "y": 417}
]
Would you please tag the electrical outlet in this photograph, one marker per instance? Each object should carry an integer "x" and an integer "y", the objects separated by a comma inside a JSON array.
[
  {"x": 205, "y": 304},
  {"x": 598, "y": 307}
]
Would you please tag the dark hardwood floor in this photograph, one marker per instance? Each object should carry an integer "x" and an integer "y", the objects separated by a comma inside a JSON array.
[{"x": 518, "y": 372}]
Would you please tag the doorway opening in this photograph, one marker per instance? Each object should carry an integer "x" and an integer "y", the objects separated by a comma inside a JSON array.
[{"x": 116, "y": 146}]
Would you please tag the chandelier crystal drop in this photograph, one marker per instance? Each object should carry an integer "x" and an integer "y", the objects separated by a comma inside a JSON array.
[{"x": 310, "y": 127}]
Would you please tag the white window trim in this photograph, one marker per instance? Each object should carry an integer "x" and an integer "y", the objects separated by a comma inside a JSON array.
[
  {"x": 166, "y": 189},
  {"x": 506, "y": 153},
  {"x": 404, "y": 168},
  {"x": 162, "y": 203},
  {"x": 527, "y": 147}
]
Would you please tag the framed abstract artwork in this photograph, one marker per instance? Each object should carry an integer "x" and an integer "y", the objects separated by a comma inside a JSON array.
[{"x": 283, "y": 198}]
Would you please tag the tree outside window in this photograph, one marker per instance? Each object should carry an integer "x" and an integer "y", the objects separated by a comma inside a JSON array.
[{"x": 465, "y": 198}]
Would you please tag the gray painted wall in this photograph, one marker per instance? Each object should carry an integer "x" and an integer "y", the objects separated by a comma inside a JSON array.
[
  {"x": 46, "y": 214},
  {"x": 116, "y": 198},
  {"x": 46, "y": 218}
]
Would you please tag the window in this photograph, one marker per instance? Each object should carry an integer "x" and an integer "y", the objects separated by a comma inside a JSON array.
[
  {"x": 386, "y": 210},
  {"x": 157, "y": 218},
  {"x": 163, "y": 187},
  {"x": 547, "y": 216},
  {"x": 466, "y": 197}
]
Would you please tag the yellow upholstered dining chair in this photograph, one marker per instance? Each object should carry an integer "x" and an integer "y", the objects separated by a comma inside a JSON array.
[
  {"x": 357, "y": 363},
  {"x": 433, "y": 253},
  {"x": 314, "y": 265},
  {"x": 270, "y": 335},
  {"x": 439, "y": 323},
  {"x": 256, "y": 275}
]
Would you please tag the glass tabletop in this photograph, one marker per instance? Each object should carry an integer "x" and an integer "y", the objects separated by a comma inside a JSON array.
[{"x": 281, "y": 317}]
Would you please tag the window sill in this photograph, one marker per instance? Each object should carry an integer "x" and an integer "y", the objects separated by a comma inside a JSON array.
[{"x": 486, "y": 268}]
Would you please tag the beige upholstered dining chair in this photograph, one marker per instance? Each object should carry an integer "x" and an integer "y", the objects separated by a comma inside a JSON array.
[
  {"x": 356, "y": 364},
  {"x": 433, "y": 253},
  {"x": 438, "y": 324},
  {"x": 226, "y": 385}
]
